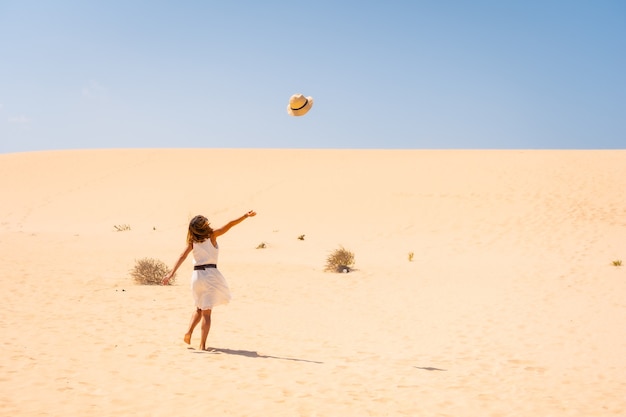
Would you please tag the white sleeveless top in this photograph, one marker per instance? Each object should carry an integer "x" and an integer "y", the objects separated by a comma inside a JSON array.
[{"x": 205, "y": 253}]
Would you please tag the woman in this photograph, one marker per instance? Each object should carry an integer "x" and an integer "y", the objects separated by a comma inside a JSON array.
[{"x": 208, "y": 286}]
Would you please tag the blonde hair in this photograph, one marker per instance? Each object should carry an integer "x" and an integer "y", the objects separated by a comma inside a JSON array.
[{"x": 199, "y": 230}]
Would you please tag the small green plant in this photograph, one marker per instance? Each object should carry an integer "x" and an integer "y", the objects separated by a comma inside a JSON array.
[
  {"x": 122, "y": 227},
  {"x": 262, "y": 245},
  {"x": 340, "y": 260},
  {"x": 617, "y": 262},
  {"x": 148, "y": 271},
  {"x": 301, "y": 237},
  {"x": 411, "y": 254}
]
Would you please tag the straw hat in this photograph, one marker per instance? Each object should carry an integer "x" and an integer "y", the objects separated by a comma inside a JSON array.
[{"x": 299, "y": 105}]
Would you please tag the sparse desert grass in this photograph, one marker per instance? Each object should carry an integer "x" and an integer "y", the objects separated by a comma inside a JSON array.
[
  {"x": 617, "y": 262},
  {"x": 262, "y": 245},
  {"x": 340, "y": 260},
  {"x": 122, "y": 227},
  {"x": 411, "y": 254},
  {"x": 148, "y": 271}
]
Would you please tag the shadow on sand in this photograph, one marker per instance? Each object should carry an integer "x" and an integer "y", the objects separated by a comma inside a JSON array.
[
  {"x": 429, "y": 368},
  {"x": 250, "y": 354}
]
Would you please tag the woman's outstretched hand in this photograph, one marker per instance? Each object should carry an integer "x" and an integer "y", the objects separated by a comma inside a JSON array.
[
  {"x": 251, "y": 213},
  {"x": 166, "y": 279}
]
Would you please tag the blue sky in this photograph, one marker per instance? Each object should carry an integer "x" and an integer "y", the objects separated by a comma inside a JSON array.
[{"x": 530, "y": 74}]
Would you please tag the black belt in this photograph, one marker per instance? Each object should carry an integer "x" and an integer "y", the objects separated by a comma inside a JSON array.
[{"x": 205, "y": 266}]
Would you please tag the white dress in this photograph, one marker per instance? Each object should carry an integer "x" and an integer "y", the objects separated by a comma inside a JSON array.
[{"x": 208, "y": 286}]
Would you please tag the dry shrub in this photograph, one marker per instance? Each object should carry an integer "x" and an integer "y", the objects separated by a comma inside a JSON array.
[
  {"x": 340, "y": 260},
  {"x": 148, "y": 271}
]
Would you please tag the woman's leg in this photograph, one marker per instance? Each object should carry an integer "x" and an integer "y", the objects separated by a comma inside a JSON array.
[
  {"x": 195, "y": 319},
  {"x": 206, "y": 326}
]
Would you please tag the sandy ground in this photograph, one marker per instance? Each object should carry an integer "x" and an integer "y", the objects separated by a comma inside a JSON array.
[{"x": 511, "y": 305}]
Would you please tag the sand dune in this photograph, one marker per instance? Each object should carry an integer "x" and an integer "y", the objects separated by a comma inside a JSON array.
[{"x": 510, "y": 307}]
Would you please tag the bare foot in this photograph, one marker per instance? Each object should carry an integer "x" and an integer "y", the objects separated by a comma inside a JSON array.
[{"x": 187, "y": 338}]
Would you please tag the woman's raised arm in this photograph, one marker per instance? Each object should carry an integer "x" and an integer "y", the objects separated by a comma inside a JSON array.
[{"x": 227, "y": 226}]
